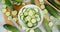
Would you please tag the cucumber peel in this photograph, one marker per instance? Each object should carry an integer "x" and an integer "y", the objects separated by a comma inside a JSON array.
[
  {"x": 11, "y": 28},
  {"x": 52, "y": 11},
  {"x": 8, "y": 4}
]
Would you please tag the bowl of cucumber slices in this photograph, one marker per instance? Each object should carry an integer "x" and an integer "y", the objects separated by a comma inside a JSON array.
[{"x": 30, "y": 16}]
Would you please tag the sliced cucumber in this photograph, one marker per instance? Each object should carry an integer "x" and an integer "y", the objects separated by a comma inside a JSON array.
[
  {"x": 32, "y": 30},
  {"x": 30, "y": 24},
  {"x": 4, "y": 10},
  {"x": 33, "y": 20},
  {"x": 7, "y": 13},
  {"x": 30, "y": 16},
  {"x": 14, "y": 13}
]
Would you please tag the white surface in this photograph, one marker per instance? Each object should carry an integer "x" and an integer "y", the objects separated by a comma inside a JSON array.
[{"x": 2, "y": 21}]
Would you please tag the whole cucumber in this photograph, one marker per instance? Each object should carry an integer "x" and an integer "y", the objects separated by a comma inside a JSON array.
[
  {"x": 52, "y": 11},
  {"x": 8, "y": 4},
  {"x": 18, "y": 1},
  {"x": 46, "y": 26},
  {"x": 11, "y": 28},
  {"x": 55, "y": 4},
  {"x": 32, "y": 2}
]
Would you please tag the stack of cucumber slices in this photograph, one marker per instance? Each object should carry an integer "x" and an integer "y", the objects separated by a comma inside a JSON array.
[{"x": 30, "y": 16}]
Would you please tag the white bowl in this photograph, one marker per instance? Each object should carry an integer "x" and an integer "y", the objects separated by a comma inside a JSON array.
[{"x": 30, "y": 6}]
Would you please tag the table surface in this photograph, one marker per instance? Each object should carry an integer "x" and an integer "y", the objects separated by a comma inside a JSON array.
[{"x": 2, "y": 22}]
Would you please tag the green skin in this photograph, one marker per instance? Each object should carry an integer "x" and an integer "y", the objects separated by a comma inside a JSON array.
[
  {"x": 46, "y": 26},
  {"x": 55, "y": 4},
  {"x": 18, "y": 1},
  {"x": 58, "y": 26},
  {"x": 52, "y": 11},
  {"x": 11, "y": 28},
  {"x": 37, "y": 30},
  {"x": 8, "y": 4},
  {"x": 32, "y": 2}
]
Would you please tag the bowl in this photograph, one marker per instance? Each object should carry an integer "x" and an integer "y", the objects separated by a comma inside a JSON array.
[{"x": 30, "y": 6}]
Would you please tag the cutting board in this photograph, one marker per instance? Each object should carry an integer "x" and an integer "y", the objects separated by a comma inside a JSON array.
[{"x": 18, "y": 8}]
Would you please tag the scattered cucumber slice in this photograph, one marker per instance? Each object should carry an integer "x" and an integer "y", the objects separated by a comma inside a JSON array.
[
  {"x": 14, "y": 12},
  {"x": 3, "y": 10},
  {"x": 7, "y": 13}
]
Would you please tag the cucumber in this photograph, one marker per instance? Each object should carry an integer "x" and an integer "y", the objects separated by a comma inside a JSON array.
[
  {"x": 55, "y": 4},
  {"x": 46, "y": 26},
  {"x": 37, "y": 30},
  {"x": 58, "y": 26},
  {"x": 11, "y": 28},
  {"x": 19, "y": 1},
  {"x": 8, "y": 4},
  {"x": 32, "y": 2},
  {"x": 52, "y": 11}
]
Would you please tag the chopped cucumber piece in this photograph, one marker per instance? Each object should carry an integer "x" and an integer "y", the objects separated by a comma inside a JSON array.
[
  {"x": 7, "y": 13},
  {"x": 9, "y": 31},
  {"x": 22, "y": 17},
  {"x": 33, "y": 16},
  {"x": 38, "y": 19},
  {"x": 28, "y": 18},
  {"x": 3, "y": 1},
  {"x": 24, "y": 10},
  {"x": 23, "y": 28},
  {"x": 3, "y": 6},
  {"x": 36, "y": 15},
  {"x": 15, "y": 19},
  {"x": 21, "y": 14},
  {"x": 50, "y": 24},
  {"x": 32, "y": 30},
  {"x": 14, "y": 13},
  {"x": 30, "y": 13},
  {"x": 25, "y": 13},
  {"x": 42, "y": 6},
  {"x": 4, "y": 10},
  {"x": 33, "y": 20},
  {"x": 45, "y": 11},
  {"x": 41, "y": 1},
  {"x": 36, "y": 9},
  {"x": 30, "y": 24}
]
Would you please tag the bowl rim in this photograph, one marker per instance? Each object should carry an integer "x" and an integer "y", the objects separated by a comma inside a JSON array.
[{"x": 29, "y": 6}]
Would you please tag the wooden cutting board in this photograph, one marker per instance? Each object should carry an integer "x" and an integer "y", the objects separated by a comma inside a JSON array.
[{"x": 18, "y": 8}]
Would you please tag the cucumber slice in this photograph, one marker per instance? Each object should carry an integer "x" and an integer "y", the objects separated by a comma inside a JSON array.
[
  {"x": 30, "y": 13},
  {"x": 33, "y": 20},
  {"x": 42, "y": 6},
  {"x": 22, "y": 17},
  {"x": 7, "y": 13},
  {"x": 36, "y": 9},
  {"x": 14, "y": 13},
  {"x": 28, "y": 18},
  {"x": 32, "y": 30},
  {"x": 30, "y": 24},
  {"x": 3, "y": 10},
  {"x": 3, "y": 6}
]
